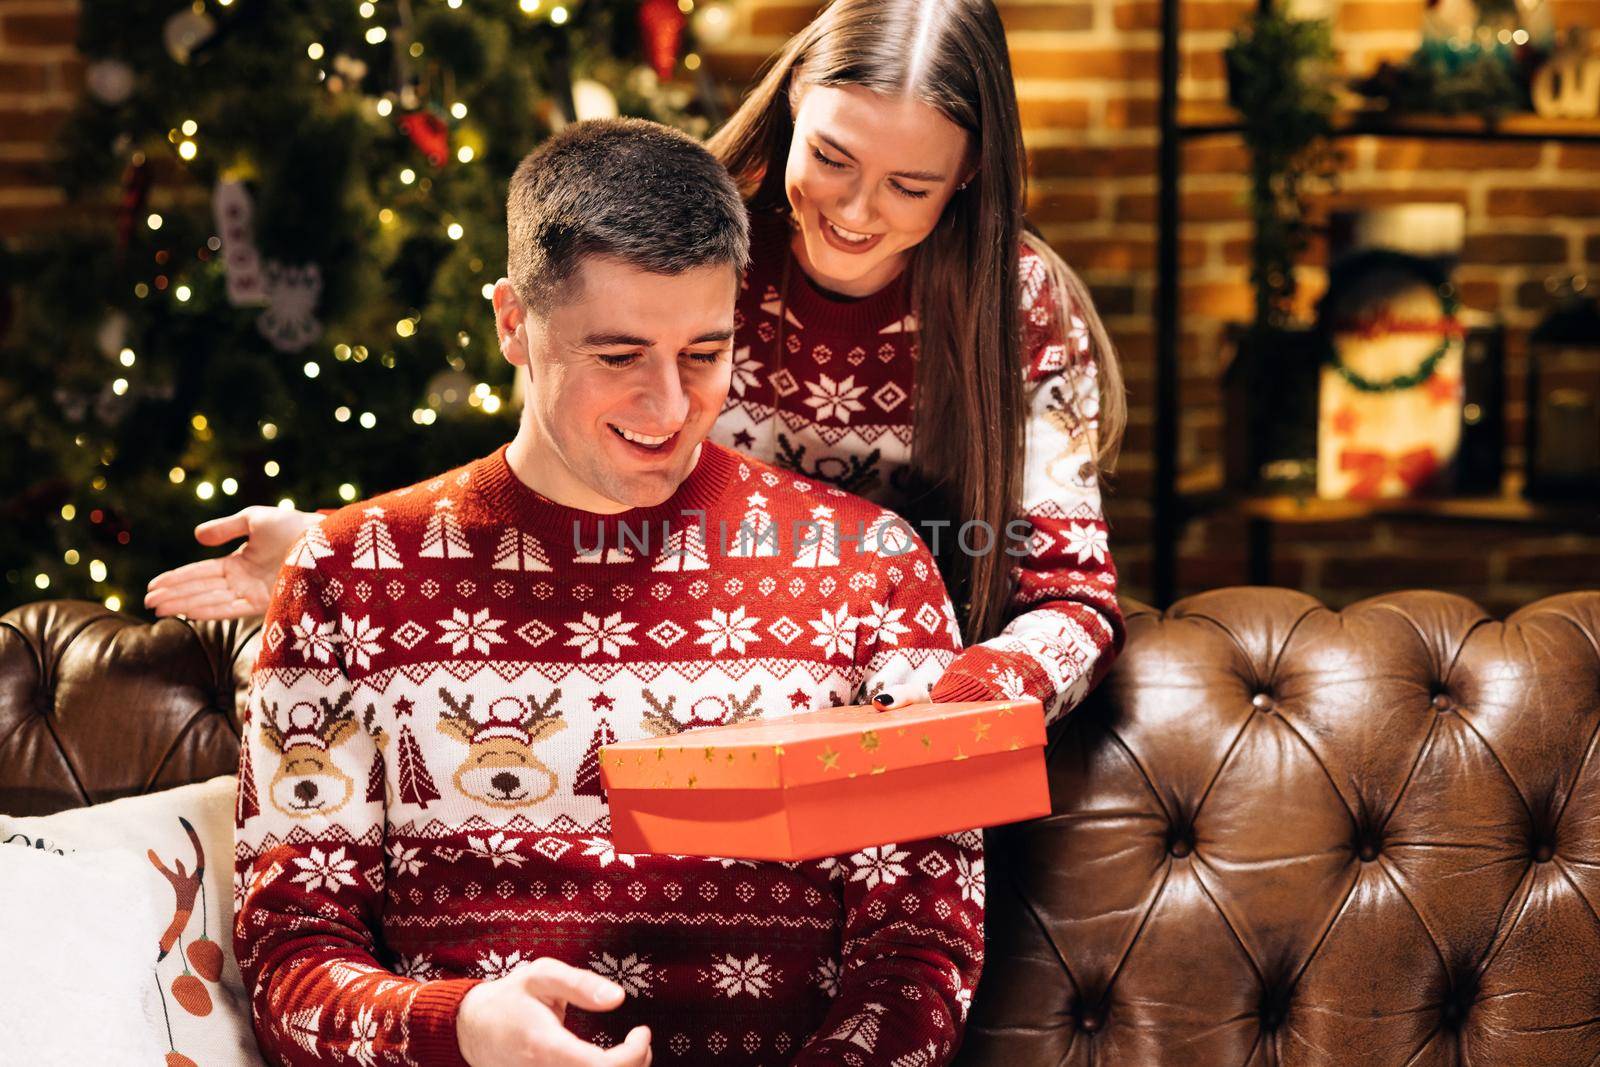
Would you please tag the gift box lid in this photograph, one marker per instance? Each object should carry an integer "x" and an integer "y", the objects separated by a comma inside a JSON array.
[{"x": 821, "y": 746}]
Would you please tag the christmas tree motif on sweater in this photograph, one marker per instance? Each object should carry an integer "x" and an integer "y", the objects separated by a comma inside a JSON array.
[
  {"x": 819, "y": 543},
  {"x": 917, "y": 1057},
  {"x": 374, "y": 546},
  {"x": 247, "y": 806},
  {"x": 311, "y": 546},
  {"x": 443, "y": 538},
  {"x": 889, "y": 535},
  {"x": 861, "y": 1029},
  {"x": 757, "y": 535},
  {"x": 773, "y": 302},
  {"x": 518, "y": 551},
  {"x": 604, "y": 553},
  {"x": 411, "y": 769},
  {"x": 416, "y": 784},
  {"x": 375, "y": 792},
  {"x": 587, "y": 781},
  {"x": 304, "y": 1027},
  {"x": 685, "y": 550}
]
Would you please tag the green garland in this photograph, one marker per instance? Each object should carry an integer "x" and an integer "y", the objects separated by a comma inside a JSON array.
[{"x": 1448, "y": 305}]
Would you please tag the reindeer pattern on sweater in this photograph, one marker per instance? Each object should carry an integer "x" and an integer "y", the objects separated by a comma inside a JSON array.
[{"x": 420, "y": 805}]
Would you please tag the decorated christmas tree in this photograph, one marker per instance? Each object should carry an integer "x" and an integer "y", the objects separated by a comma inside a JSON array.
[{"x": 289, "y": 217}]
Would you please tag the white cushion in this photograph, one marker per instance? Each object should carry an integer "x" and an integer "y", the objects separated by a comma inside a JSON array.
[
  {"x": 79, "y": 932},
  {"x": 188, "y": 979}
]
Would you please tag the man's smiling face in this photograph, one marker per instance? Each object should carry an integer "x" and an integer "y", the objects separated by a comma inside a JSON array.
[{"x": 626, "y": 375}]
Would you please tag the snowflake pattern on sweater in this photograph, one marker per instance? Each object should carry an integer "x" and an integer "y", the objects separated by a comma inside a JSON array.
[
  {"x": 824, "y": 387},
  {"x": 419, "y": 801}
]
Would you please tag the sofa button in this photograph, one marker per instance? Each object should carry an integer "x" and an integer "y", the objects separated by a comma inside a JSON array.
[
  {"x": 1544, "y": 853},
  {"x": 1181, "y": 847},
  {"x": 1261, "y": 701},
  {"x": 1090, "y": 1022},
  {"x": 1369, "y": 852},
  {"x": 1441, "y": 702}
]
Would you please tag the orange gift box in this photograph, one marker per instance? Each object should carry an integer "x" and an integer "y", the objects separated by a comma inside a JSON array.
[{"x": 827, "y": 782}]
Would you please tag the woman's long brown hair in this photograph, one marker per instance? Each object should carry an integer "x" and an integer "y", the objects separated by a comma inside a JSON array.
[{"x": 970, "y": 406}]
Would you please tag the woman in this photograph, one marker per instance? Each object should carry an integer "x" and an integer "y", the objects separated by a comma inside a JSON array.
[{"x": 901, "y": 333}]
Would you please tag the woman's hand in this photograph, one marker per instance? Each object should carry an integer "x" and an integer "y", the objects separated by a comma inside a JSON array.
[
  {"x": 235, "y": 585},
  {"x": 519, "y": 1020},
  {"x": 900, "y": 695}
]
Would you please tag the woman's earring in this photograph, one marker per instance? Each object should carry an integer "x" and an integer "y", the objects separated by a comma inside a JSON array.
[{"x": 964, "y": 184}]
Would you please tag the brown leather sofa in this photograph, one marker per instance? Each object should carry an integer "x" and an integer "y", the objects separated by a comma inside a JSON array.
[{"x": 1282, "y": 834}]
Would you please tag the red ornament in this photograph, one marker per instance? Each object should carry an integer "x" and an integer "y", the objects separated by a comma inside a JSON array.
[
  {"x": 429, "y": 133},
  {"x": 661, "y": 25},
  {"x": 135, "y": 195}
]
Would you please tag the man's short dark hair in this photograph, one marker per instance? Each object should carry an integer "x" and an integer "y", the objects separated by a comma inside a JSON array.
[{"x": 646, "y": 194}]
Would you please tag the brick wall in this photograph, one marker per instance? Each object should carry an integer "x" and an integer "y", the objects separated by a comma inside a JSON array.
[
  {"x": 40, "y": 78},
  {"x": 1087, "y": 79}
]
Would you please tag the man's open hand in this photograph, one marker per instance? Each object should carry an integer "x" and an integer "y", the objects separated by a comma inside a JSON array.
[{"x": 519, "y": 1020}]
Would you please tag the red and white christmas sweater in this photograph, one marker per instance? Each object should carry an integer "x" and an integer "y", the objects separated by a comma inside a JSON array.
[
  {"x": 830, "y": 396},
  {"x": 420, "y": 805}
]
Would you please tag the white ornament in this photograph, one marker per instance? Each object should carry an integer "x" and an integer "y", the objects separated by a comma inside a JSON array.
[
  {"x": 109, "y": 81},
  {"x": 713, "y": 23},
  {"x": 185, "y": 31},
  {"x": 233, "y": 213},
  {"x": 290, "y": 321},
  {"x": 643, "y": 81},
  {"x": 348, "y": 73},
  {"x": 448, "y": 392},
  {"x": 591, "y": 100},
  {"x": 113, "y": 334},
  {"x": 519, "y": 551}
]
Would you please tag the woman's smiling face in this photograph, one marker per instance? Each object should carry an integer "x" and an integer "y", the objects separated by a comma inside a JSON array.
[{"x": 868, "y": 176}]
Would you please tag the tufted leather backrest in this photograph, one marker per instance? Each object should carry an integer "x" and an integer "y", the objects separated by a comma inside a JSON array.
[
  {"x": 1288, "y": 835},
  {"x": 95, "y": 705},
  {"x": 1281, "y": 834}
]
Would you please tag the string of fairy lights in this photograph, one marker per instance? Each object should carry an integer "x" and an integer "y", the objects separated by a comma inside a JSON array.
[{"x": 448, "y": 392}]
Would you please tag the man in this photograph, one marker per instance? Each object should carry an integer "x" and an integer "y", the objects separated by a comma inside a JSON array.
[{"x": 423, "y": 850}]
